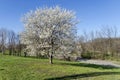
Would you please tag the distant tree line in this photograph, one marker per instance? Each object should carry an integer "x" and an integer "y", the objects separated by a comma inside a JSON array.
[
  {"x": 101, "y": 44},
  {"x": 10, "y": 43}
]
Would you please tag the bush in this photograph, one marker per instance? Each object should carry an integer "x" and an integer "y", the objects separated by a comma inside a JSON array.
[{"x": 87, "y": 55}]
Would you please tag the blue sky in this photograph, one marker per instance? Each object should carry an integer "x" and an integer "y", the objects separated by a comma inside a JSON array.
[{"x": 92, "y": 14}]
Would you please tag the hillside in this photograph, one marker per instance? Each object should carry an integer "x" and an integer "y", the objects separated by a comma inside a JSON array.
[{"x": 20, "y": 68}]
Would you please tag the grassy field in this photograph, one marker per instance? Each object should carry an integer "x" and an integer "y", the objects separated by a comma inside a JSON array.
[{"x": 20, "y": 68}]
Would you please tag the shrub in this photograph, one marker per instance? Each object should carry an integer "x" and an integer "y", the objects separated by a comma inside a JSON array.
[{"x": 87, "y": 55}]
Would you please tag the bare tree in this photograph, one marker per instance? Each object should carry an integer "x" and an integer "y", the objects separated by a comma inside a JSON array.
[
  {"x": 3, "y": 38},
  {"x": 11, "y": 42},
  {"x": 19, "y": 46},
  {"x": 110, "y": 34}
]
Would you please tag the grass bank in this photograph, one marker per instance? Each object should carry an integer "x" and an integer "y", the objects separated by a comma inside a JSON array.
[{"x": 20, "y": 68}]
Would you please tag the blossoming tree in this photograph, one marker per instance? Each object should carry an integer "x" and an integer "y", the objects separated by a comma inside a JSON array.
[{"x": 48, "y": 29}]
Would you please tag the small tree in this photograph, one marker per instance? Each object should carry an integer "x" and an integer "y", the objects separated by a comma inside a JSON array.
[
  {"x": 49, "y": 29},
  {"x": 11, "y": 42}
]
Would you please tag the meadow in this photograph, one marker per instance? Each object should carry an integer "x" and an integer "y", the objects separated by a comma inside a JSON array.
[{"x": 21, "y": 68}]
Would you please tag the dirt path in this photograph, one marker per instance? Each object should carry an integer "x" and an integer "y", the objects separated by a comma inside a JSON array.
[{"x": 100, "y": 62}]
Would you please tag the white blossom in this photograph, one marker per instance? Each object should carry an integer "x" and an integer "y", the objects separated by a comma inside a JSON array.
[{"x": 47, "y": 28}]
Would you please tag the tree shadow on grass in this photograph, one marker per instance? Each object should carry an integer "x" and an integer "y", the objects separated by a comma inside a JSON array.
[
  {"x": 2, "y": 69},
  {"x": 90, "y": 65},
  {"x": 78, "y": 76}
]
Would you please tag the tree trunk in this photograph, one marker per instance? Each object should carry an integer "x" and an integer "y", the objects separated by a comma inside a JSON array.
[
  {"x": 25, "y": 54},
  {"x": 51, "y": 54},
  {"x": 51, "y": 58},
  {"x": 10, "y": 52},
  {"x": 3, "y": 51}
]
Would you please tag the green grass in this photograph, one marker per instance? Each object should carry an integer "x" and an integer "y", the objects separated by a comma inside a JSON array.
[{"x": 20, "y": 68}]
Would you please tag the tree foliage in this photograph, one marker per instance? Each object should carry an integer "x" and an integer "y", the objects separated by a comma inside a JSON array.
[{"x": 49, "y": 30}]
